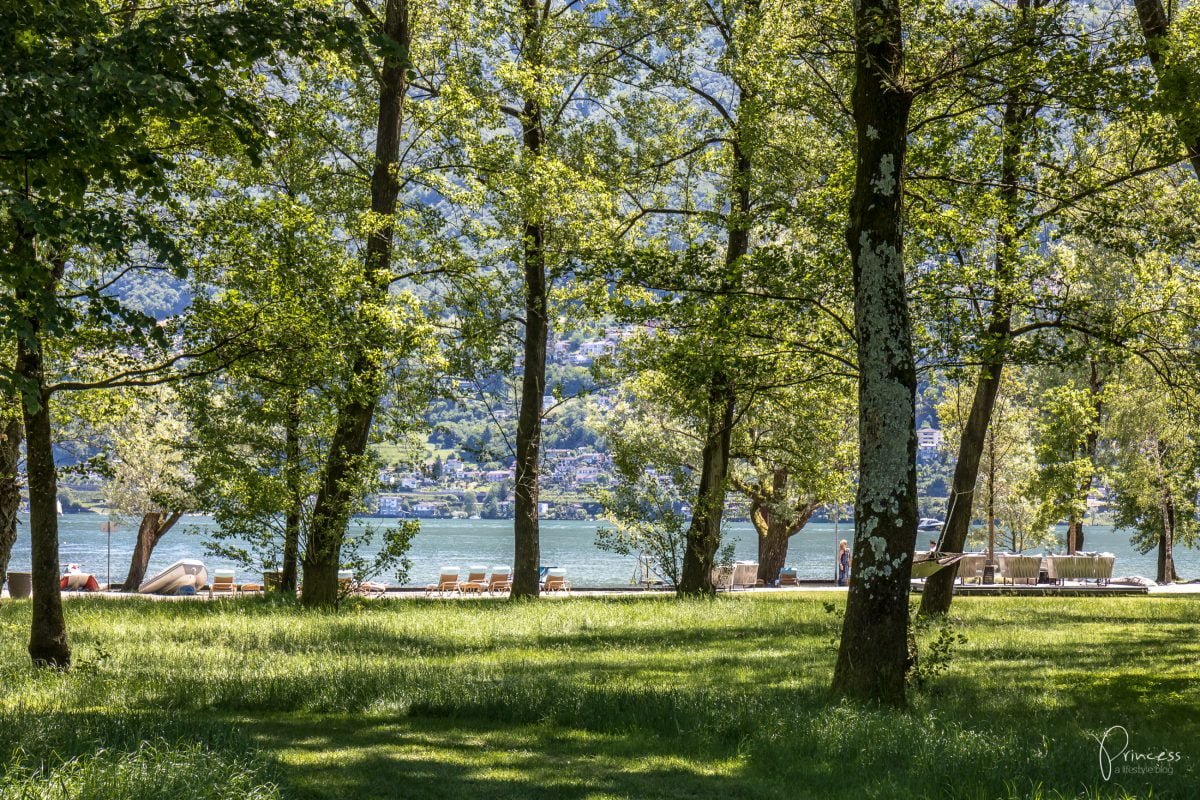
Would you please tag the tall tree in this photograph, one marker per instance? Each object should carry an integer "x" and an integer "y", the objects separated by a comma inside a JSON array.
[
  {"x": 873, "y": 655},
  {"x": 347, "y": 456},
  {"x": 97, "y": 98}
]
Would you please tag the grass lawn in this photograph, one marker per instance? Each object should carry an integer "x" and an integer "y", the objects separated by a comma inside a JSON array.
[{"x": 603, "y": 698}]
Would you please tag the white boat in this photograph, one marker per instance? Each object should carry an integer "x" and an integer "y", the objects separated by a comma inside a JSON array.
[
  {"x": 930, "y": 525},
  {"x": 186, "y": 573}
]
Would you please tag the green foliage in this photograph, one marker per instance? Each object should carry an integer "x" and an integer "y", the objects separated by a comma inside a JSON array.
[{"x": 1154, "y": 462}]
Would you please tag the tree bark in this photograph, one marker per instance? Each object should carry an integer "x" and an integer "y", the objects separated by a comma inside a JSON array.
[
  {"x": 774, "y": 534},
  {"x": 291, "y": 522},
  {"x": 1155, "y": 28},
  {"x": 1166, "y": 537},
  {"x": 1166, "y": 542},
  {"x": 873, "y": 656},
  {"x": 348, "y": 446},
  {"x": 48, "y": 645},
  {"x": 704, "y": 532},
  {"x": 10, "y": 489},
  {"x": 153, "y": 528},
  {"x": 526, "y": 535}
]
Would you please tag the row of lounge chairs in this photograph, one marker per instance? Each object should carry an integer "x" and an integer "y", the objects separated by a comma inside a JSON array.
[
  {"x": 1014, "y": 568},
  {"x": 478, "y": 580}
]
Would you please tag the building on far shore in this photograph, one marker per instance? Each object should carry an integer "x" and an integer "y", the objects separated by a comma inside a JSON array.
[{"x": 929, "y": 438}]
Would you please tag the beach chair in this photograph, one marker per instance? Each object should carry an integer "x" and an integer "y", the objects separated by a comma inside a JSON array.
[
  {"x": 970, "y": 566},
  {"x": 222, "y": 581},
  {"x": 745, "y": 573},
  {"x": 501, "y": 580},
  {"x": 1015, "y": 568},
  {"x": 475, "y": 582},
  {"x": 722, "y": 577},
  {"x": 556, "y": 581},
  {"x": 369, "y": 588},
  {"x": 789, "y": 577},
  {"x": 447, "y": 582}
]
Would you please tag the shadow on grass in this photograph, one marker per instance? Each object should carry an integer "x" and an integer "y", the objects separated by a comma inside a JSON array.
[{"x": 421, "y": 758}]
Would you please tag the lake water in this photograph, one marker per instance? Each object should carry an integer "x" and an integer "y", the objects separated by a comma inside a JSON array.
[{"x": 466, "y": 542}]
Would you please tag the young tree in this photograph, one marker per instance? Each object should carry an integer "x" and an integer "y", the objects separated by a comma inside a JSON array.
[
  {"x": 148, "y": 476},
  {"x": 795, "y": 454},
  {"x": 1154, "y": 466}
]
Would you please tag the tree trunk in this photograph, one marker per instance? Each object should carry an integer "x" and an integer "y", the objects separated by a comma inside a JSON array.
[
  {"x": 1166, "y": 542},
  {"x": 153, "y": 527},
  {"x": 773, "y": 539},
  {"x": 1155, "y": 27},
  {"x": 991, "y": 497},
  {"x": 291, "y": 522},
  {"x": 526, "y": 535},
  {"x": 704, "y": 532},
  {"x": 1166, "y": 537},
  {"x": 348, "y": 447},
  {"x": 10, "y": 489},
  {"x": 48, "y": 635},
  {"x": 873, "y": 656}
]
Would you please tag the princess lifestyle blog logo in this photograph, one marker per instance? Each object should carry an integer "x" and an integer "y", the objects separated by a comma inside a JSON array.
[{"x": 1117, "y": 757}]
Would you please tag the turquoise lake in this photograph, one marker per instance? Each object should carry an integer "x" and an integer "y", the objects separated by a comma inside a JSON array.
[{"x": 466, "y": 542}]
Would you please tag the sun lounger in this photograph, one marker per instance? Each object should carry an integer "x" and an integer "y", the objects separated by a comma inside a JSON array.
[
  {"x": 556, "y": 581},
  {"x": 222, "y": 581},
  {"x": 447, "y": 581},
  {"x": 501, "y": 580},
  {"x": 475, "y": 582}
]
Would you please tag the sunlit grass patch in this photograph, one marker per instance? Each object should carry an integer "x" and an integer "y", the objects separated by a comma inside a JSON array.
[{"x": 598, "y": 698}]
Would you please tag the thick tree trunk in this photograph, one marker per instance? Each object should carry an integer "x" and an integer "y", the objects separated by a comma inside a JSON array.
[
  {"x": 11, "y": 434},
  {"x": 1155, "y": 27},
  {"x": 153, "y": 527},
  {"x": 775, "y": 533},
  {"x": 291, "y": 522},
  {"x": 526, "y": 535},
  {"x": 348, "y": 447},
  {"x": 704, "y": 532},
  {"x": 873, "y": 657}
]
